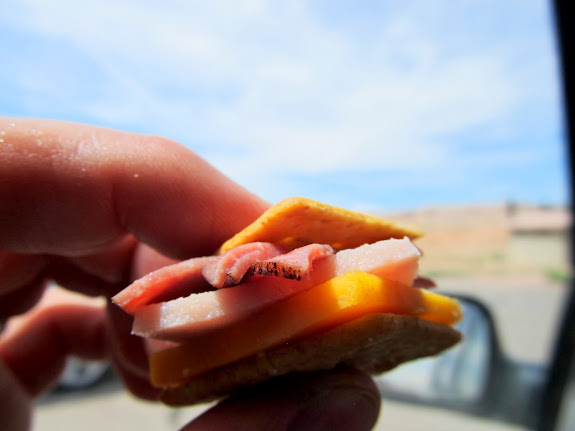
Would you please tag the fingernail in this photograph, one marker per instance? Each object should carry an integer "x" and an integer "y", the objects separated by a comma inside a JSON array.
[{"x": 341, "y": 408}]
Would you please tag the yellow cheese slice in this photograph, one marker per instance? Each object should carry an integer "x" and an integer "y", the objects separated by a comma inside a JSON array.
[{"x": 337, "y": 301}]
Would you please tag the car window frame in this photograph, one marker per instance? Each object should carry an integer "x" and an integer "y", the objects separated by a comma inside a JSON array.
[{"x": 564, "y": 348}]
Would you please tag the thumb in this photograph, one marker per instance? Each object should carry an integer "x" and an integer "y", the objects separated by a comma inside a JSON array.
[
  {"x": 338, "y": 400},
  {"x": 15, "y": 403}
]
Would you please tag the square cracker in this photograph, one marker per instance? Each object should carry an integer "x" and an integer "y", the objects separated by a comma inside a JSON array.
[
  {"x": 297, "y": 221},
  {"x": 374, "y": 343}
]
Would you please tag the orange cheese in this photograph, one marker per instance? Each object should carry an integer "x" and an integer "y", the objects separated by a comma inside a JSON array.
[{"x": 332, "y": 303}]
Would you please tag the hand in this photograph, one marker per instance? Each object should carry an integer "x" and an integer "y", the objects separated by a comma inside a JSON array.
[{"x": 92, "y": 209}]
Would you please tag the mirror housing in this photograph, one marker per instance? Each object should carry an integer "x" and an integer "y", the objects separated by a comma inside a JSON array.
[{"x": 473, "y": 377}]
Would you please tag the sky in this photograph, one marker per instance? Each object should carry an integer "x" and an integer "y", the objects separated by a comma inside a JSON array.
[{"x": 380, "y": 105}]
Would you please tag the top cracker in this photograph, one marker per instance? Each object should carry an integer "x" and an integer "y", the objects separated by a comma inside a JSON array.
[{"x": 296, "y": 221}]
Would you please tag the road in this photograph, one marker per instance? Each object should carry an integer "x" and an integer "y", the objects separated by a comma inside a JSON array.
[{"x": 526, "y": 315}]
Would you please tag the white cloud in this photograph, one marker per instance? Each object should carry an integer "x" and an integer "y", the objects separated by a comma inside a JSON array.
[{"x": 276, "y": 88}]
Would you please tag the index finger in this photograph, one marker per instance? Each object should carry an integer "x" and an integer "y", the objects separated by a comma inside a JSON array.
[{"x": 72, "y": 189}]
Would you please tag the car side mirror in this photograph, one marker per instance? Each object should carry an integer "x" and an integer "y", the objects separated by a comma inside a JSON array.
[
  {"x": 459, "y": 375},
  {"x": 472, "y": 377}
]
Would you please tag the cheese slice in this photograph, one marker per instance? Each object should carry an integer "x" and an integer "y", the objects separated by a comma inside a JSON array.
[{"x": 337, "y": 301}]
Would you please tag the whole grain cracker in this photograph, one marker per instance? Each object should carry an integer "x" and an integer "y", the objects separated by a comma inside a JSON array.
[
  {"x": 297, "y": 221},
  {"x": 374, "y": 343}
]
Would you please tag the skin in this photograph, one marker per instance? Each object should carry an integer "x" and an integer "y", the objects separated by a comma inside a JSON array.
[{"x": 92, "y": 209}]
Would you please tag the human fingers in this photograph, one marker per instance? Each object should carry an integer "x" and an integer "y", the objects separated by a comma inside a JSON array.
[
  {"x": 338, "y": 400},
  {"x": 71, "y": 189},
  {"x": 73, "y": 194},
  {"x": 65, "y": 323},
  {"x": 75, "y": 197},
  {"x": 133, "y": 381},
  {"x": 33, "y": 349},
  {"x": 22, "y": 276},
  {"x": 19, "y": 301},
  {"x": 15, "y": 403},
  {"x": 129, "y": 351},
  {"x": 19, "y": 269},
  {"x": 34, "y": 346}
]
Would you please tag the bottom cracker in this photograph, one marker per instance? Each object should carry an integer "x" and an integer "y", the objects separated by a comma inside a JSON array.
[{"x": 374, "y": 343}]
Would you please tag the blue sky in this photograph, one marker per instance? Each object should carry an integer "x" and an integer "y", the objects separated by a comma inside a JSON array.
[{"x": 385, "y": 105}]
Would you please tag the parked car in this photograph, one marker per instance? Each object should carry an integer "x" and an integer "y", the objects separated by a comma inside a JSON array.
[{"x": 82, "y": 374}]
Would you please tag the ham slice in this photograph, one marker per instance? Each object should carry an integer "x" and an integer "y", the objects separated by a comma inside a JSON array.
[
  {"x": 295, "y": 265},
  {"x": 229, "y": 268},
  {"x": 392, "y": 259},
  {"x": 173, "y": 320},
  {"x": 169, "y": 282},
  {"x": 200, "y": 274}
]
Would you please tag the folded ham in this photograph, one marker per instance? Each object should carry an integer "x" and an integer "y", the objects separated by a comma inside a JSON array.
[
  {"x": 229, "y": 268},
  {"x": 169, "y": 282},
  {"x": 295, "y": 265},
  {"x": 266, "y": 282}
]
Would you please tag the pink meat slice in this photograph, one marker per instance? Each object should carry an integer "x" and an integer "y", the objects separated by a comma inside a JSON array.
[
  {"x": 295, "y": 265},
  {"x": 393, "y": 259},
  {"x": 172, "y": 281},
  {"x": 230, "y": 267},
  {"x": 175, "y": 320}
]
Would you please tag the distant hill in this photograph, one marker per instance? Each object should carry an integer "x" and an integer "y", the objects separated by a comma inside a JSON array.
[{"x": 493, "y": 240}]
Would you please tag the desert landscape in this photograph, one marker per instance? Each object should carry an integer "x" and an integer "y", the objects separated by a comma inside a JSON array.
[{"x": 493, "y": 241}]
